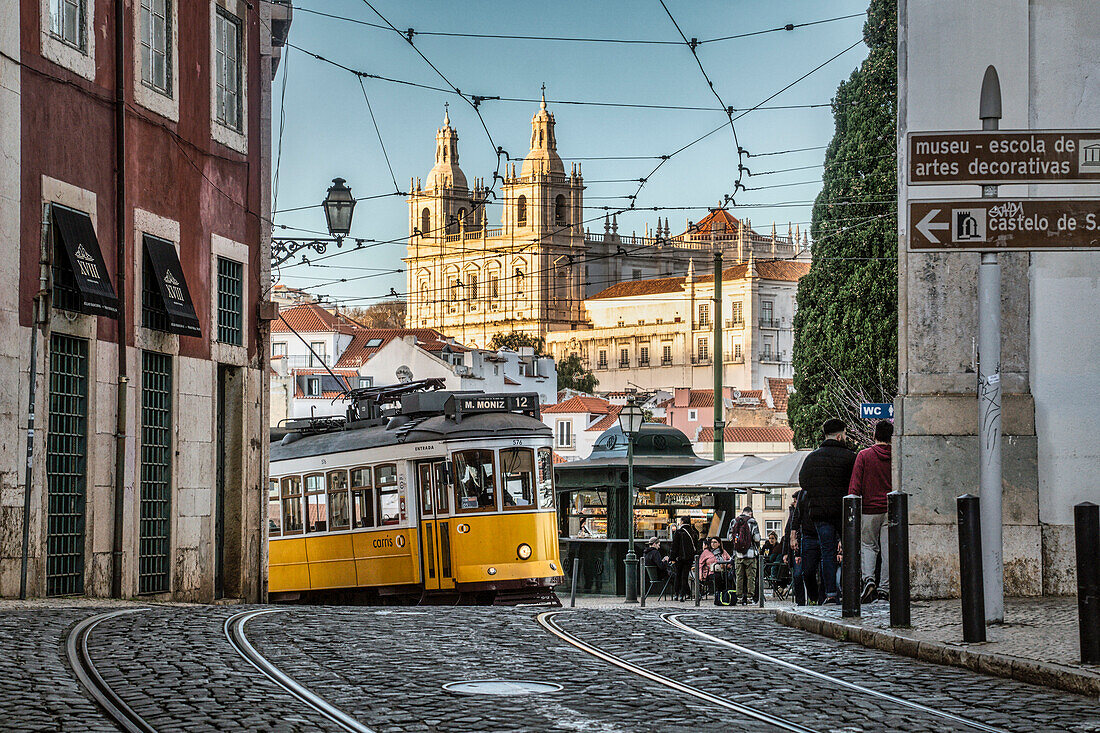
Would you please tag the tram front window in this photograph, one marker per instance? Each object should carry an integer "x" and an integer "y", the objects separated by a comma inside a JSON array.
[
  {"x": 362, "y": 498},
  {"x": 292, "y": 505},
  {"x": 517, "y": 468},
  {"x": 316, "y": 515},
  {"x": 389, "y": 504},
  {"x": 274, "y": 510},
  {"x": 546, "y": 478},
  {"x": 338, "y": 500},
  {"x": 475, "y": 479}
]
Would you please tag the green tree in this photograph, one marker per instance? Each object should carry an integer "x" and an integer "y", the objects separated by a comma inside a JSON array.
[
  {"x": 845, "y": 331},
  {"x": 517, "y": 340},
  {"x": 572, "y": 374}
]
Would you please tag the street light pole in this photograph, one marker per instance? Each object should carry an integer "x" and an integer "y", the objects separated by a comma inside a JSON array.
[{"x": 630, "y": 421}]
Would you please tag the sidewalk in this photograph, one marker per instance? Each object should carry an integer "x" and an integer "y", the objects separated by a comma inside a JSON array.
[{"x": 1038, "y": 642}]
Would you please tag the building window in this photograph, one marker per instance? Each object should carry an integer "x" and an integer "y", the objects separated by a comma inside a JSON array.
[
  {"x": 362, "y": 498},
  {"x": 154, "y": 526},
  {"x": 703, "y": 351},
  {"x": 737, "y": 353},
  {"x": 66, "y": 465},
  {"x": 624, "y": 358},
  {"x": 773, "y": 525},
  {"x": 704, "y": 314},
  {"x": 471, "y": 286},
  {"x": 693, "y": 415},
  {"x": 455, "y": 285},
  {"x": 425, "y": 222},
  {"x": 767, "y": 311},
  {"x": 339, "y": 515},
  {"x": 230, "y": 301},
  {"x": 153, "y": 313},
  {"x": 494, "y": 287},
  {"x": 601, "y": 360},
  {"x": 560, "y": 217},
  {"x": 227, "y": 70},
  {"x": 316, "y": 510},
  {"x": 366, "y": 382},
  {"x": 292, "y": 505},
  {"x": 565, "y": 433},
  {"x": 373, "y": 343},
  {"x": 67, "y": 22},
  {"x": 737, "y": 315},
  {"x": 521, "y": 211},
  {"x": 317, "y": 353},
  {"x": 773, "y": 499},
  {"x": 666, "y": 355},
  {"x": 635, "y": 274},
  {"x": 278, "y": 349},
  {"x": 156, "y": 39},
  {"x": 643, "y": 356},
  {"x": 313, "y": 387}
]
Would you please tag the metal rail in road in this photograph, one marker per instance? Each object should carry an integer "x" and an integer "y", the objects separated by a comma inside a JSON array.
[
  {"x": 234, "y": 632},
  {"x": 547, "y": 621},
  {"x": 674, "y": 620},
  {"x": 76, "y": 648}
]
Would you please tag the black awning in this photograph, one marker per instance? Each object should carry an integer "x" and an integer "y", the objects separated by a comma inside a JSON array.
[
  {"x": 173, "y": 287},
  {"x": 89, "y": 272}
]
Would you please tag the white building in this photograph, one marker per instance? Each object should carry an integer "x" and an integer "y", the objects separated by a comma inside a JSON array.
[{"x": 577, "y": 422}]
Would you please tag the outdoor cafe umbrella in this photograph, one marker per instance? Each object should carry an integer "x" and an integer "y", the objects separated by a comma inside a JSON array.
[
  {"x": 709, "y": 477},
  {"x": 778, "y": 472}
]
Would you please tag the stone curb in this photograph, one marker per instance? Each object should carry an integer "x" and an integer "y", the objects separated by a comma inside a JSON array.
[{"x": 1046, "y": 674}]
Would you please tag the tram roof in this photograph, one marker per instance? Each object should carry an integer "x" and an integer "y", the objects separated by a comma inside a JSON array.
[{"x": 434, "y": 428}]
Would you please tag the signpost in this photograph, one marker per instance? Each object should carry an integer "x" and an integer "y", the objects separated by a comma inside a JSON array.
[
  {"x": 876, "y": 411},
  {"x": 1004, "y": 156},
  {"x": 1004, "y": 224}
]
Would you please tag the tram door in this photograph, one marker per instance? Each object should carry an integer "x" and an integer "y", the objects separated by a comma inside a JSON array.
[{"x": 435, "y": 525}]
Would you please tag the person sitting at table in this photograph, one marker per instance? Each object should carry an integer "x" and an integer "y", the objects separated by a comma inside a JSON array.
[{"x": 712, "y": 554}]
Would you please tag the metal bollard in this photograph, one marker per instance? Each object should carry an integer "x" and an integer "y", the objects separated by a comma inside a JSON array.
[
  {"x": 698, "y": 581},
  {"x": 898, "y": 519},
  {"x": 849, "y": 569},
  {"x": 641, "y": 582},
  {"x": 1086, "y": 523},
  {"x": 573, "y": 590},
  {"x": 970, "y": 568}
]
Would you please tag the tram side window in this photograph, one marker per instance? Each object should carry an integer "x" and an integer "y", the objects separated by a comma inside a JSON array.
[
  {"x": 545, "y": 483},
  {"x": 442, "y": 486},
  {"x": 362, "y": 498},
  {"x": 274, "y": 509},
  {"x": 292, "y": 505},
  {"x": 338, "y": 516},
  {"x": 517, "y": 470},
  {"x": 316, "y": 515},
  {"x": 475, "y": 479},
  {"x": 389, "y": 505}
]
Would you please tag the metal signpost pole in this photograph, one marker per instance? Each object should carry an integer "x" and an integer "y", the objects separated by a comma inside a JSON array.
[
  {"x": 989, "y": 388},
  {"x": 631, "y": 561},
  {"x": 719, "y": 422}
]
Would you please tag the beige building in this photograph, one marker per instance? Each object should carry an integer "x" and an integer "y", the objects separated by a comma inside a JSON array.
[
  {"x": 652, "y": 334},
  {"x": 532, "y": 273}
]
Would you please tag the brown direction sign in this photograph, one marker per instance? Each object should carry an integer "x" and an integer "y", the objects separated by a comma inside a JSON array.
[
  {"x": 1004, "y": 156},
  {"x": 1004, "y": 224}
]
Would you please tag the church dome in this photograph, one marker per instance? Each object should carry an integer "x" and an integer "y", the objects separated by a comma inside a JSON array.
[
  {"x": 544, "y": 146},
  {"x": 446, "y": 173}
]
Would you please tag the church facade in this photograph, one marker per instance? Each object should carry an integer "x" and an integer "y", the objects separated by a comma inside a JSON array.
[{"x": 532, "y": 273}]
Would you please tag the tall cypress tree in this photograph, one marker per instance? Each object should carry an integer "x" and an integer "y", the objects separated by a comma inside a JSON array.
[{"x": 845, "y": 331}]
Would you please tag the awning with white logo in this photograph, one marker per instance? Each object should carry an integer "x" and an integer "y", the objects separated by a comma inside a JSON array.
[
  {"x": 166, "y": 269},
  {"x": 89, "y": 272}
]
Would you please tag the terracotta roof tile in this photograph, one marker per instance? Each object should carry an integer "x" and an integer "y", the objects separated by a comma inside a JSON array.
[
  {"x": 559, "y": 459},
  {"x": 581, "y": 404},
  {"x": 780, "y": 391},
  {"x": 358, "y": 352},
  {"x": 784, "y": 270},
  {"x": 749, "y": 435},
  {"x": 310, "y": 318},
  {"x": 607, "y": 421}
]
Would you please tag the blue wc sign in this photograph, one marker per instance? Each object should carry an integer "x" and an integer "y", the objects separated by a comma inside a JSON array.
[{"x": 876, "y": 411}]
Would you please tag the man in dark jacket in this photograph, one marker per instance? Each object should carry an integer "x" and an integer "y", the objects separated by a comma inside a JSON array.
[
  {"x": 824, "y": 477},
  {"x": 871, "y": 481},
  {"x": 683, "y": 554},
  {"x": 806, "y": 554}
]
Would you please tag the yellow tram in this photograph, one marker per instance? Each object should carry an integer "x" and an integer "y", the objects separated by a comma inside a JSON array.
[{"x": 419, "y": 495}]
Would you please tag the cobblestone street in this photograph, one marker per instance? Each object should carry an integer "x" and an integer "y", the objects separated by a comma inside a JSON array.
[{"x": 386, "y": 667}]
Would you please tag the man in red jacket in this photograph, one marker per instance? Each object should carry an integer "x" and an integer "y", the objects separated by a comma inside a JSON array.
[{"x": 871, "y": 481}]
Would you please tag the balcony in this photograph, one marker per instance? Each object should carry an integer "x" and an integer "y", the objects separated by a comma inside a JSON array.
[
  {"x": 643, "y": 362},
  {"x": 772, "y": 357},
  {"x": 666, "y": 362},
  {"x": 624, "y": 363},
  {"x": 736, "y": 359},
  {"x": 735, "y": 323},
  {"x": 773, "y": 324}
]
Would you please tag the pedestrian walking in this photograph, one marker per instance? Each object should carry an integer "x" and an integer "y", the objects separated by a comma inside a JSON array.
[
  {"x": 744, "y": 535},
  {"x": 871, "y": 481},
  {"x": 824, "y": 478},
  {"x": 683, "y": 554}
]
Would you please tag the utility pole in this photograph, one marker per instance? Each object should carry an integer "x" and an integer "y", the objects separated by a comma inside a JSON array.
[
  {"x": 719, "y": 423},
  {"x": 989, "y": 389}
]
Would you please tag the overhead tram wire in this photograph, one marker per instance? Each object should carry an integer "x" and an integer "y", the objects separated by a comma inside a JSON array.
[
  {"x": 358, "y": 198},
  {"x": 378, "y": 132},
  {"x": 412, "y": 32}
]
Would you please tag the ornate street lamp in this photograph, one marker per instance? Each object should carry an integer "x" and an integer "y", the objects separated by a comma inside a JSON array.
[
  {"x": 631, "y": 418},
  {"x": 339, "y": 205}
]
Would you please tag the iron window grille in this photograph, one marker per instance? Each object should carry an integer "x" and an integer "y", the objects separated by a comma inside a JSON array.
[
  {"x": 227, "y": 70},
  {"x": 156, "y": 45},
  {"x": 66, "y": 466},
  {"x": 66, "y": 293},
  {"x": 154, "y": 527},
  {"x": 153, "y": 313},
  {"x": 230, "y": 301},
  {"x": 67, "y": 19}
]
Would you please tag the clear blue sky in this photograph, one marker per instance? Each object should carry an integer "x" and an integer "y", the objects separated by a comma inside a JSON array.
[{"x": 327, "y": 129}]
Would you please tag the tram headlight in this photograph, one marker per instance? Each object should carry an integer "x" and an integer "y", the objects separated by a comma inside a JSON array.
[
  {"x": 524, "y": 551},
  {"x": 492, "y": 571}
]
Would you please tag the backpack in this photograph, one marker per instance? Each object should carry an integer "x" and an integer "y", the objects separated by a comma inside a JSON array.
[
  {"x": 742, "y": 535},
  {"x": 725, "y": 598}
]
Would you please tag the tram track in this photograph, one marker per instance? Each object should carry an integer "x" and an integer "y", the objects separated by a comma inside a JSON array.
[
  {"x": 547, "y": 620},
  {"x": 235, "y": 633},
  {"x": 109, "y": 701},
  {"x": 673, "y": 619}
]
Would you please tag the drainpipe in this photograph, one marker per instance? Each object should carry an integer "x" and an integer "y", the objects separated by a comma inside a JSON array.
[
  {"x": 719, "y": 399},
  {"x": 41, "y": 312},
  {"x": 120, "y": 284}
]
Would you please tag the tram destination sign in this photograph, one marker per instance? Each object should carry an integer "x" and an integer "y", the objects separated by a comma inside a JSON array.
[
  {"x": 1004, "y": 156},
  {"x": 476, "y": 403},
  {"x": 1004, "y": 224}
]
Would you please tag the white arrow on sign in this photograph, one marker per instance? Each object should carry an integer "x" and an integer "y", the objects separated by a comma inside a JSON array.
[{"x": 926, "y": 227}]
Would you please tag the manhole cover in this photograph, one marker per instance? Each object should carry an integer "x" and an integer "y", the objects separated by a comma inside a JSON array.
[{"x": 501, "y": 687}]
